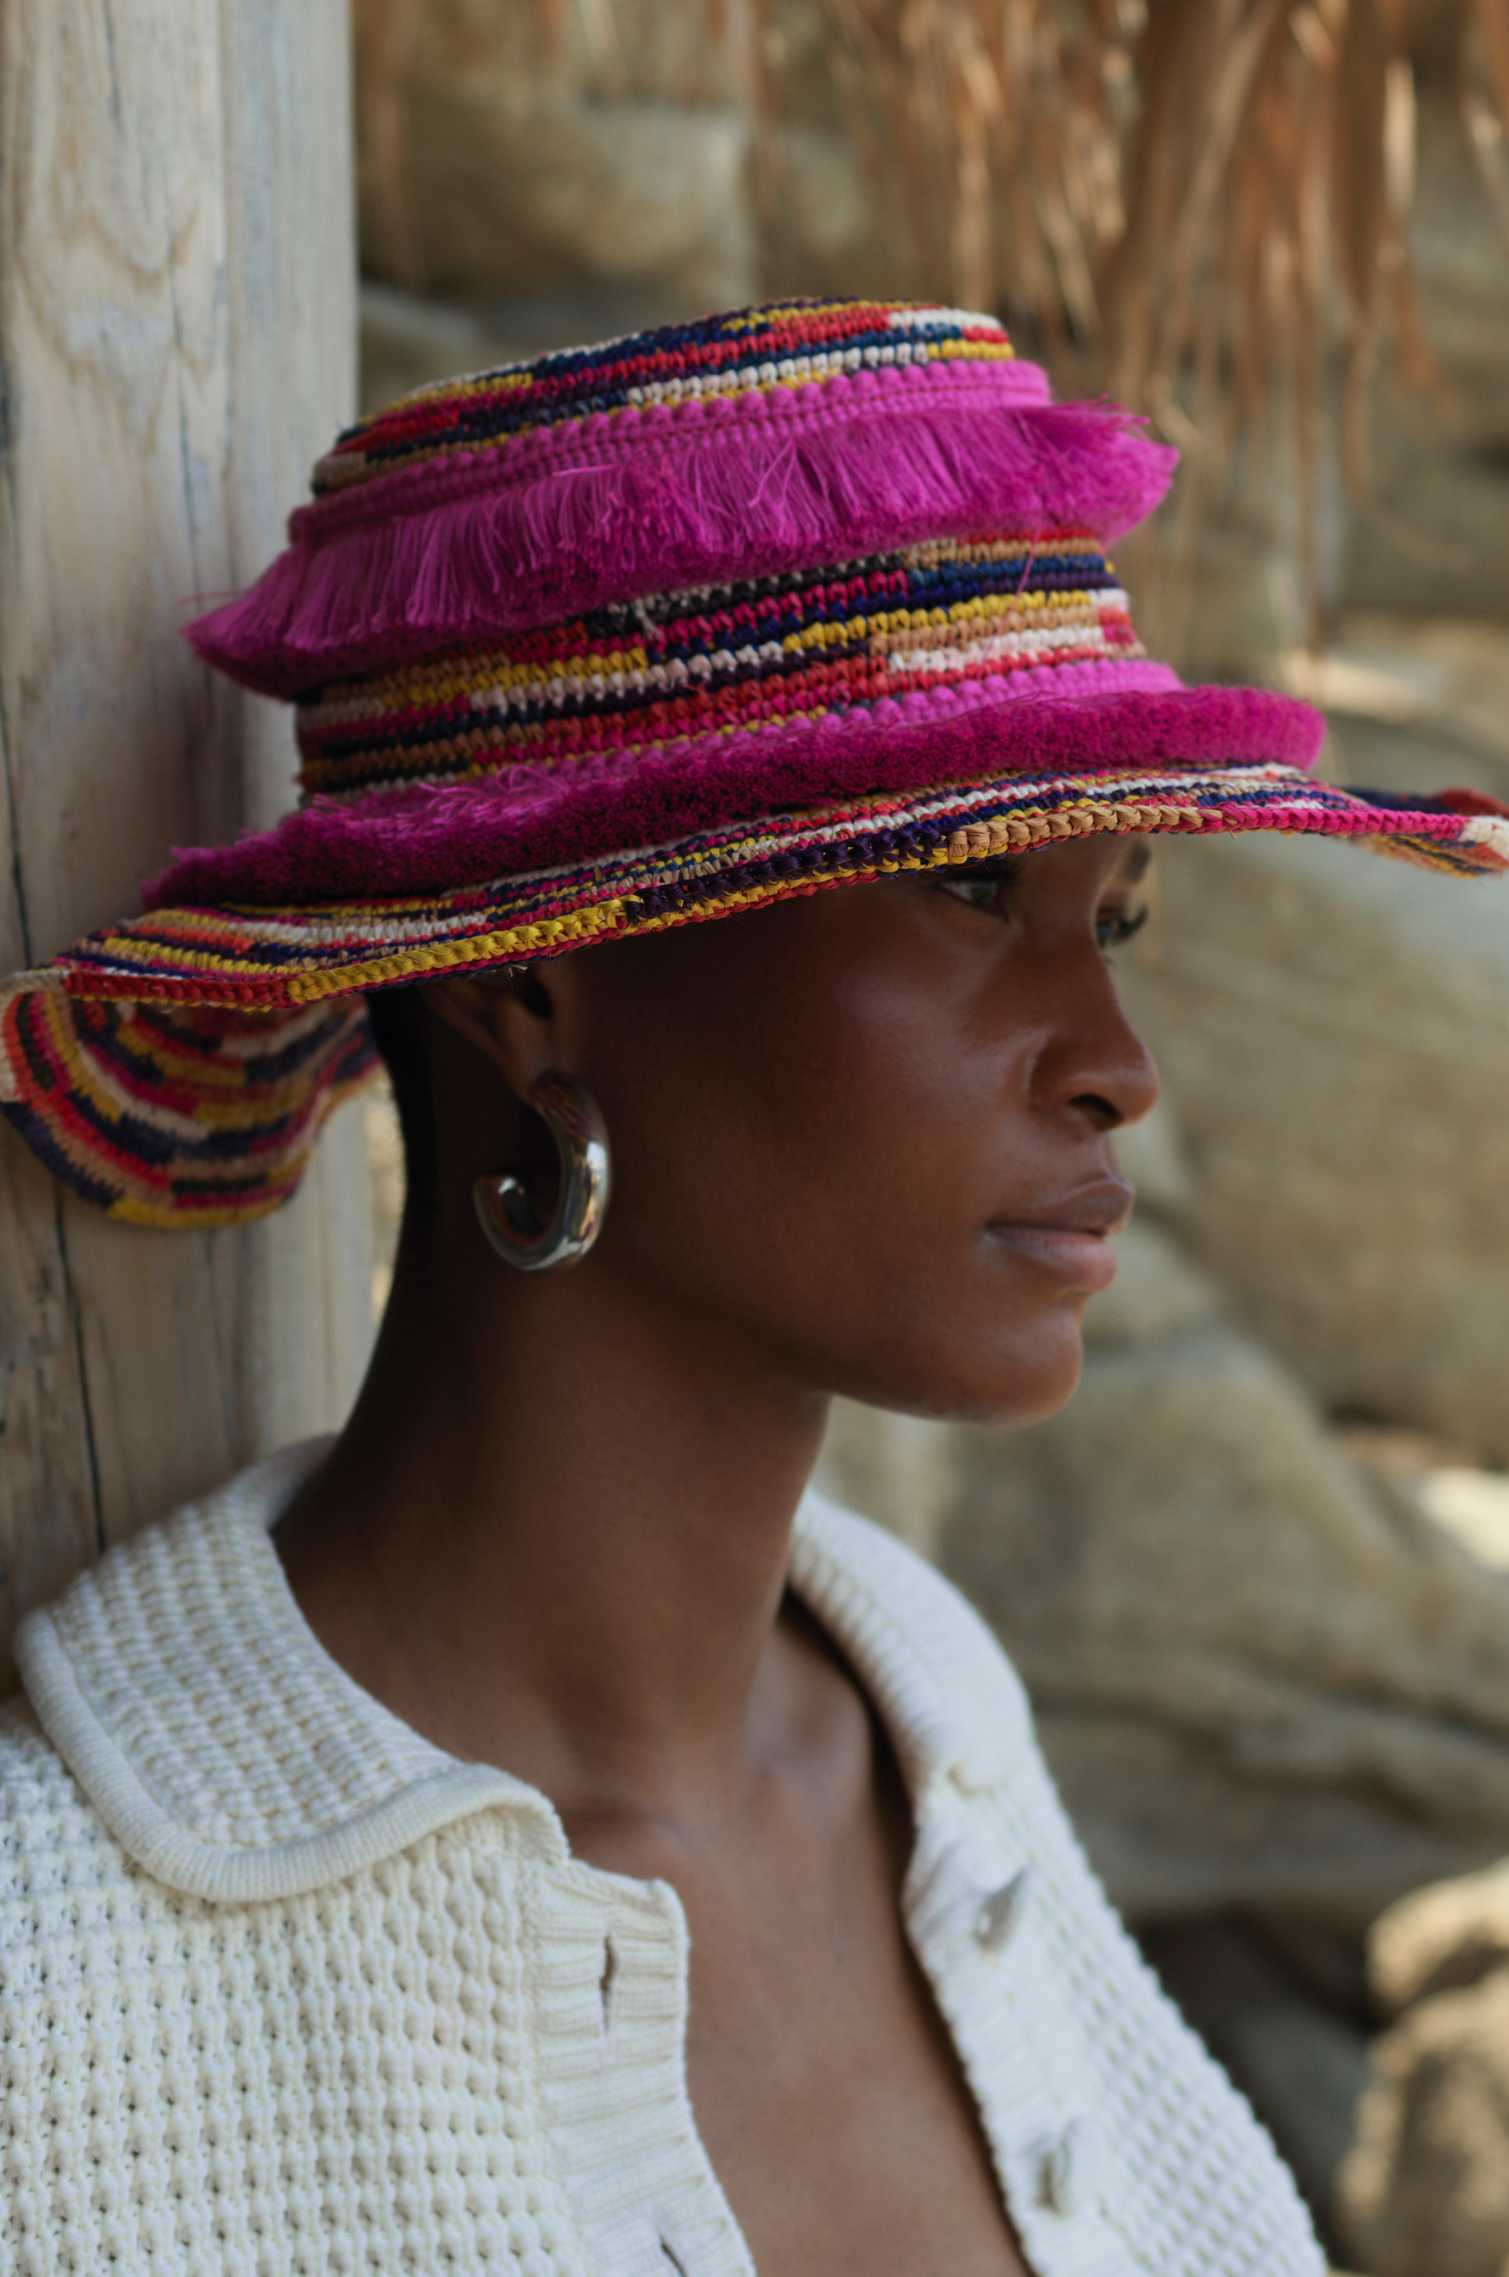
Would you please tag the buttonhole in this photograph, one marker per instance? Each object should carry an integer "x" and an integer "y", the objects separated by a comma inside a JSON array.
[
  {"x": 674, "y": 2259},
  {"x": 610, "y": 1969}
]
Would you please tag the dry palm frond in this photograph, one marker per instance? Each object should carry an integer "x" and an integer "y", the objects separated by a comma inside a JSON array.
[
  {"x": 1198, "y": 202},
  {"x": 1206, "y": 198},
  {"x": 1484, "y": 98}
]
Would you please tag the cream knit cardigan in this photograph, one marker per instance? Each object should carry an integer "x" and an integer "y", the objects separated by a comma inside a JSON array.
[{"x": 286, "y": 1990}]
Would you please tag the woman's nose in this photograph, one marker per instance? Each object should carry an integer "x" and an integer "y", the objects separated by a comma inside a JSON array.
[{"x": 1101, "y": 1066}]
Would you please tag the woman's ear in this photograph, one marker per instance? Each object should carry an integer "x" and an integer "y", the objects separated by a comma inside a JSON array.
[{"x": 508, "y": 1014}]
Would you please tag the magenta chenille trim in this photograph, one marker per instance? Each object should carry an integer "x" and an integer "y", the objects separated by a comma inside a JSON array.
[
  {"x": 425, "y": 837},
  {"x": 486, "y": 544}
]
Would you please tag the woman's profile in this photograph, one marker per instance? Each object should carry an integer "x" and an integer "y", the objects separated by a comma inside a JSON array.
[{"x": 532, "y": 1828}]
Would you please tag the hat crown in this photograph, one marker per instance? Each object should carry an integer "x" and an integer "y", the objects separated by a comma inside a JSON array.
[
  {"x": 738, "y": 358},
  {"x": 757, "y": 442}
]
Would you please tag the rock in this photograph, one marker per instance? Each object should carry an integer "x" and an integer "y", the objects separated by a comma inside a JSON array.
[
  {"x": 897, "y": 1468},
  {"x": 1426, "y": 698},
  {"x": 409, "y": 338},
  {"x": 1260, "y": 1675},
  {"x": 1424, "y": 2190},
  {"x": 1158, "y": 1290},
  {"x": 1265, "y": 1675},
  {"x": 1154, "y": 1156},
  {"x": 1427, "y": 749},
  {"x": 901, "y": 1468},
  {"x": 1302, "y": 2069},
  {"x": 1433, "y": 532},
  {"x": 820, "y": 226},
  {"x": 507, "y": 189},
  {"x": 519, "y": 150},
  {"x": 1328, "y": 1962},
  {"x": 1472, "y": 1506},
  {"x": 1331, "y": 1028},
  {"x": 1440, "y": 1939}
]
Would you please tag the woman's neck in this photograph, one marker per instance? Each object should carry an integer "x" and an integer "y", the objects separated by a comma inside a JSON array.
[{"x": 554, "y": 1534}]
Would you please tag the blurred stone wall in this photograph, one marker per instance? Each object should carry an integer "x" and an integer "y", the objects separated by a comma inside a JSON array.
[{"x": 1257, "y": 1574}]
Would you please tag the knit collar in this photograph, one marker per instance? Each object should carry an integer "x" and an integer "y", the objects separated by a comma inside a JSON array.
[{"x": 233, "y": 1758}]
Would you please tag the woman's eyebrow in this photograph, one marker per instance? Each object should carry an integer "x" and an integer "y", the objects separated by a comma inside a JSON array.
[{"x": 1136, "y": 862}]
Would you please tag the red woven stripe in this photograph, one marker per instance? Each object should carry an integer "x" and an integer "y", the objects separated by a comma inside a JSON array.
[{"x": 820, "y": 329}]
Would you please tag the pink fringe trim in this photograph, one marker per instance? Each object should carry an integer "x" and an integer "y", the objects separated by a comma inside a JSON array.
[
  {"x": 431, "y": 837},
  {"x": 494, "y": 543}
]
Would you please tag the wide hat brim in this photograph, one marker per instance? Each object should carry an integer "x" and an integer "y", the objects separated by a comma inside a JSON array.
[
  {"x": 632, "y": 636},
  {"x": 177, "y": 1068}
]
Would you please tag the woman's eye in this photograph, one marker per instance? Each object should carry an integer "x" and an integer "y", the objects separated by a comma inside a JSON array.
[
  {"x": 988, "y": 890},
  {"x": 978, "y": 892},
  {"x": 1117, "y": 927},
  {"x": 979, "y": 887}
]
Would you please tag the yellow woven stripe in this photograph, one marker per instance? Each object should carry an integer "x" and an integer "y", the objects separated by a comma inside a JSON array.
[
  {"x": 139, "y": 1190},
  {"x": 768, "y": 314},
  {"x": 81, "y": 1075},
  {"x": 249, "y": 1112},
  {"x": 159, "y": 1214},
  {"x": 537, "y": 937},
  {"x": 335, "y": 471},
  {"x": 971, "y": 351},
  {"x": 452, "y": 680},
  {"x": 1425, "y": 852},
  {"x": 495, "y": 383},
  {"x": 174, "y": 954},
  {"x": 355, "y": 698},
  {"x": 988, "y": 608},
  {"x": 149, "y": 1210},
  {"x": 544, "y": 935},
  {"x": 236, "y": 1112},
  {"x": 202, "y": 1074},
  {"x": 492, "y": 383},
  {"x": 314, "y": 773},
  {"x": 1033, "y": 827}
]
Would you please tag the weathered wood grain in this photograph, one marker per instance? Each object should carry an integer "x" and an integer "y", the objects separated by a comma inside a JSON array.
[{"x": 177, "y": 343}]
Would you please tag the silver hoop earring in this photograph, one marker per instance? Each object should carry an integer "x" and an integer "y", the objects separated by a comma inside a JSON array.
[{"x": 575, "y": 1122}]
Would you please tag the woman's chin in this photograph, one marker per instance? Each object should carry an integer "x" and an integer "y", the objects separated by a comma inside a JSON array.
[{"x": 1029, "y": 1382}]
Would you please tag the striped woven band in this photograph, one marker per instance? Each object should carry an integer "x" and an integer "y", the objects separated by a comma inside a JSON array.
[
  {"x": 177, "y": 1070},
  {"x": 824, "y": 642},
  {"x": 746, "y": 352},
  {"x": 283, "y": 957}
]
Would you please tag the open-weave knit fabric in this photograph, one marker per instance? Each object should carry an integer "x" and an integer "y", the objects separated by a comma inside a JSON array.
[{"x": 285, "y": 1988}]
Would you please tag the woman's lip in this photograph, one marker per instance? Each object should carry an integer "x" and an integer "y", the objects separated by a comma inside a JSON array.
[{"x": 1087, "y": 1260}]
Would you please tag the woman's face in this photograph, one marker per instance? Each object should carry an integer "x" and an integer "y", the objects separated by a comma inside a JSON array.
[{"x": 823, "y": 1114}]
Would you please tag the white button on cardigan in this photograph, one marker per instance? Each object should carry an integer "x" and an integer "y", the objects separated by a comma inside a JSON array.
[
  {"x": 1000, "y": 1912},
  {"x": 1063, "y": 2175},
  {"x": 286, "y": 1988}
]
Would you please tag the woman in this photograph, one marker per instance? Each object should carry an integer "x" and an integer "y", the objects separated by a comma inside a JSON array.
[{"x": 532, "y": 1829}]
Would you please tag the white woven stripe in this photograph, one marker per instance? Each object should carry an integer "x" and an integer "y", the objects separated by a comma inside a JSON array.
[
  {"x": 683, "y": 672},
  {"x": 931, "y": 319},
  {"x": 822, "y": 365},
  {"x": 593, "y": 677},
  {"x": 1089, "y": 632}
]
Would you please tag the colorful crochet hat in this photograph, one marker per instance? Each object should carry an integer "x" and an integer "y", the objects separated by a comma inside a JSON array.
[{"x": 636, "y": 635}]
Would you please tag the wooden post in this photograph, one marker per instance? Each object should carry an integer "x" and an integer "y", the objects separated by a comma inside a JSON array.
[{"x": 177, "y": 344}]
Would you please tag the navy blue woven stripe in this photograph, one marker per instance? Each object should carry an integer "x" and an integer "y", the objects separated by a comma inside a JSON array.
[{"x": 480, "y": 419}]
